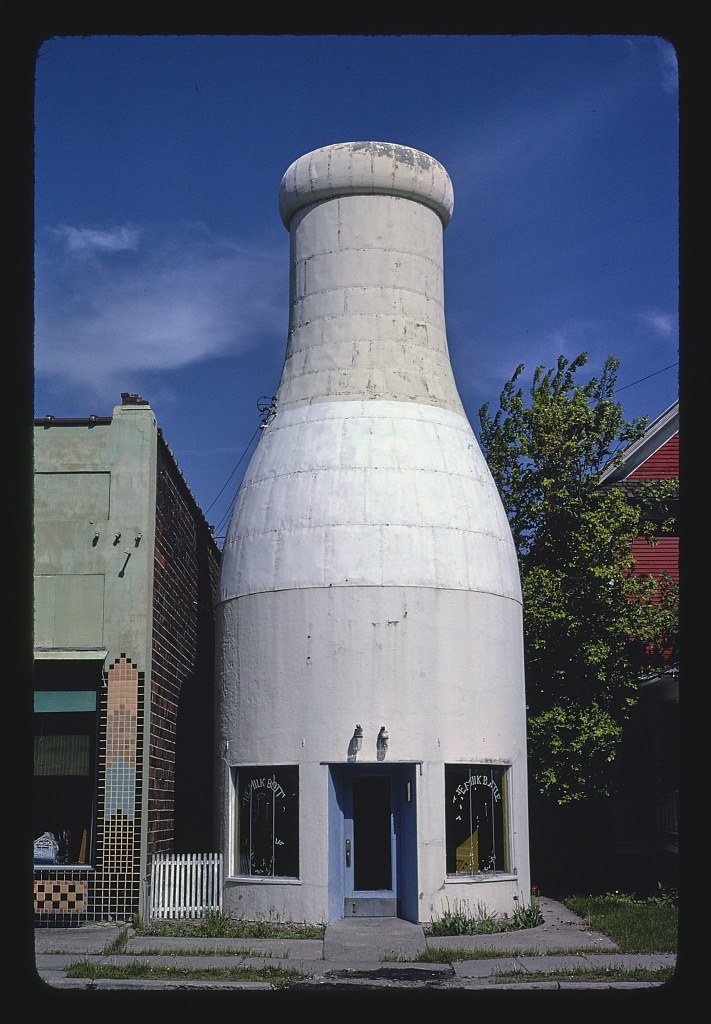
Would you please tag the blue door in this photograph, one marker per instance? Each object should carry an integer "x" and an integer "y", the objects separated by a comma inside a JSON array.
[{"x": 373, "y": 841}]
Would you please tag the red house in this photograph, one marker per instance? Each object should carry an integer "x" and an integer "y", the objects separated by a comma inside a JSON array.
[
  {"x": 654, "y": 457},
  {"x": 647, "y": 839}
]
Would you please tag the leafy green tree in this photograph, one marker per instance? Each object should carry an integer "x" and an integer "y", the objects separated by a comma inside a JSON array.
[{"x": 591, "y": 626}]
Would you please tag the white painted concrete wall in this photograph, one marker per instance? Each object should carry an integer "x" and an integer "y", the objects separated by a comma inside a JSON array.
[{"x": 368, "y": 574}]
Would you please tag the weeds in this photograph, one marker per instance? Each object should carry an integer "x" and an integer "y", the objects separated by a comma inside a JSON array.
[
  {"x": 527, "y": 916},
  {"x": 461, "y": 921},
  {"x": 143, "y": 970},
  {"x": 608, "y": 974},
  {"x": 449, "y": 955},
  {"x": 637, "y": 924},
  {"x": 118, "y": 944},
  {"x": 239, "y": 951},
  {"x": 217, "y": 925}
]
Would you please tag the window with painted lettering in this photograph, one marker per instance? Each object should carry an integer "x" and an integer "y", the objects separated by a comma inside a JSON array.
[
  {"x": 267, "y": 821},
  {"x": 476, "y": 817}
]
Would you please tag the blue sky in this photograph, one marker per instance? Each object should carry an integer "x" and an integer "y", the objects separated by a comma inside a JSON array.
[{"x": 162, "y": 265}]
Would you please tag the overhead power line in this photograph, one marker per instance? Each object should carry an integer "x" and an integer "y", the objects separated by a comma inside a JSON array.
[
  {"x": 267, "y": 410},
  {"x": 241, "y": 459},
  {"x": 648, "y": 377}
]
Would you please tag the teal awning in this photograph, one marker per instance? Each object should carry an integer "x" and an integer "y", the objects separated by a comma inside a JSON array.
[{"x": 65, "y": 700}]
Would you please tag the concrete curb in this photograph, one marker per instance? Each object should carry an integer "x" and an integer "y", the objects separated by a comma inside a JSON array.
[{"x": 361, "y": 952}]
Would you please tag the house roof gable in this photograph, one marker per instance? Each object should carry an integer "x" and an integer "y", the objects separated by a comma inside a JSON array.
[{"x": 661, "y": 432}]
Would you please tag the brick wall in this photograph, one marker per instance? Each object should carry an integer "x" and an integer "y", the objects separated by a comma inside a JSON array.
[{"x": 186, "y": 564}]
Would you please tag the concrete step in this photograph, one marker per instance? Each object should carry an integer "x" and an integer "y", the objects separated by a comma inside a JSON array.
[{"x": 370, "y": 906}]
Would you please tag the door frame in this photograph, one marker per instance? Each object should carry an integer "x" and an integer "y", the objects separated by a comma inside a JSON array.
[{"x": 403, "y": 834}]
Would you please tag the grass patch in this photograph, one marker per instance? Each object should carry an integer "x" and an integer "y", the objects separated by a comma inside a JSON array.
[
  {"x": 265, "y": 954},
  {"x": 447, "y": 955},
  {"x": 143, "y": 971},
  {"x": 636, "y": 925},
  {"x": 214, "y": 925},
  {"x": 578, "y": 974}
]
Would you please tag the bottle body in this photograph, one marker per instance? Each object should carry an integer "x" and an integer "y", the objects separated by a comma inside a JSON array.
[{"x": 369, "y": 578}]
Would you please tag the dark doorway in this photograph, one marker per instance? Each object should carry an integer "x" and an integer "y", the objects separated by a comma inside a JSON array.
[{"x": 372, "y": 854}]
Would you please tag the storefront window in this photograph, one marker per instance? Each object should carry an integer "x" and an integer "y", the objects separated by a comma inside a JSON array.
[
  {"x": 476, "y": 819},
  {"x": 65, "y": 735},
  {"x": 267, "y": 818}
]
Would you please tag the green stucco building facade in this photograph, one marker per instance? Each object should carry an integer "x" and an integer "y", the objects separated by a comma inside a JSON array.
[{"x": 125, "y": 569}]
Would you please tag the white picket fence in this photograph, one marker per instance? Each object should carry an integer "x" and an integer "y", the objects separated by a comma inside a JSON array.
[{"x": 185, "y": 884}]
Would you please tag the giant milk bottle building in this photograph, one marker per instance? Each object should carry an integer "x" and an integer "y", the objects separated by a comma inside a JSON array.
[{"x": 371, "y": 738}]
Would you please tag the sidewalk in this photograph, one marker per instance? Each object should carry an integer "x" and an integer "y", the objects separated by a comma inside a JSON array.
[{"x": 366, "y": 952}]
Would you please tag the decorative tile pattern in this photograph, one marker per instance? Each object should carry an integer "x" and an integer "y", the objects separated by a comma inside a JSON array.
[
  {"x": 60, "y": 896},
  {"x": 117, "y": 879}
]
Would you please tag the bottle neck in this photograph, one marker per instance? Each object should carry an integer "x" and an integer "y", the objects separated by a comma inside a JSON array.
[{"x": 366, "y": 312}]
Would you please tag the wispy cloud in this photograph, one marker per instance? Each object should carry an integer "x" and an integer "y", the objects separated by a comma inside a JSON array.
[
  {"x": 663, "y": 324},
  {"x": 668, "y": 64},
  {"x": 89, "y": 240},
  {"x": 125, "y": 299}
]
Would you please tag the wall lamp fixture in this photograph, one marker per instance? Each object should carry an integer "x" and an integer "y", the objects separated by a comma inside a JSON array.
[
  {"x": 382, "y": 743},
  {"x": 357, "y": 738}
]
